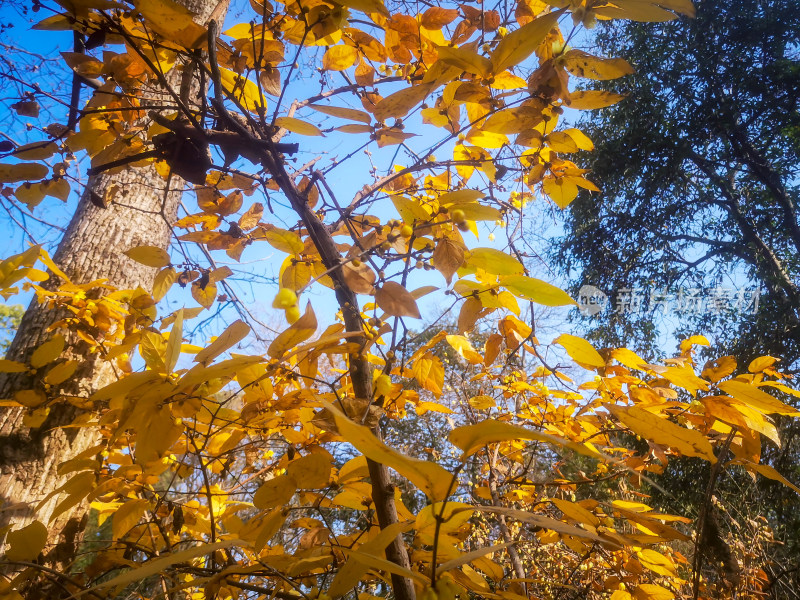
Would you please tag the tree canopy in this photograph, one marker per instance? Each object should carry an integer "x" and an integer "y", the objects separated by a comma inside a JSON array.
[
  {"x": 308, "y": 465},
  {"x": 699, "y": 171}
]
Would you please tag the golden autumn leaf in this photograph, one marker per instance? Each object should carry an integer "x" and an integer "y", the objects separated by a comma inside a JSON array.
[
  {"x": 10, "y": 173},
  {"x": 651, "y": 591},
  {"x": 12, "y": 366},
  {"x": 204, "y": 292},
  {"x": 536, "y": 290},
  {"x": 593, "y": 99},
  {"x": 427, "y": 476},
  {"x": 297, "y": 333},
  {"x": 652, "y": 427},
  {"x": 583, "y": 64},
  {"x": 48, "y": 352},
  {"x": 343, "y": 112},
  {"x": 581, "y": 351},
  {"x": 298, "y": 126},
  {"x": 339, "y": 58},
  {"x": 399, "y": 104},
  {"x": 283, "y": 240},
  {"x": 241, "y": 89},
  {"x": 25, "y": 544},
  {"x": 234, "y": 334},
  {"x": 520, "y": 44},
  {"x": 150, "y": 256},
  {"x": 755, "y": 397},
  {"x": 561, "y": 190},
  {"x": 311, "y": 471},
  {"x": 275, "y": 492},
  {"x": 494, "y": 261},
  {"x": 396, "y": 300},
  {"x": 128, "y": 516}
]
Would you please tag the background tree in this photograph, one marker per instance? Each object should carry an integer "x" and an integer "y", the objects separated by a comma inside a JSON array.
[
  {"x": 698, "y": 168},
  {"x": 116, "y": 212}
]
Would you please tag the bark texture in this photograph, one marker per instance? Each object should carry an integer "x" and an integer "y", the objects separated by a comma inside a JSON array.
[{"x": 141, "y": 214}]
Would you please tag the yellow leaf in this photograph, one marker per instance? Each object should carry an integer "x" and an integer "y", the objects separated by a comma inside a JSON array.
[
  {"x": 461, "y": 345},
  {"x": 163, "y": 281},
  {"x": 343, "y": 113},
  {"x": 423, "y": 406},
  {"x": 127, "y": 516},
  {"x": 159, "y": 565},
  {"x": 353, "y": 570},
  {"x": 767, "y": 471},
  {"x": 657, "y": 562},
  {"x": 650, "y": 591},
  {"x": 275, "y": 492},
  {"x": 470, "y": 556},
  {"x": 235, "y": 333},
  {"x": 507, "y": 81},
  {"x": 366, "y": 6},
  {"x": 297, "y": 126},
  {"x": 36, "y": 150},
  {"x": 299, "y": 332},
  {"x": 466, "y": 60},
  {"x": 762, "y": 362},
  {"x": 311, "y": 471},
  {"x": 48, "y": 352},
  {"x": 283, "y": 240},
  {"x": 541, "y": 521},
  {"x": 204, "y": 294},
  {"x": 583, "y": 64},
  {"x": 648, "y": 426},
  {"x": 429, "y": 477},
  {"x": 580, "y": 138},
  {"x": 354, "y": 128},
  {"x": 520, "y": 44},
  {"x": 401, "y": 102},
  {"x": 561, "y": 190},
  {"x": 576, "y": 512},
  {"x": 581, "y": 351},
  {"x": 242, "y": 89},
  {"x": 495, "y": 262},
  {"x": 592, "y": 99},
  {"x": 30, "y": 398},
  {"x": 396, "y": 300},
  {"x": 173, "y": 350},
  {"x": 382, "y": 564},
  {"x": 482, "y": 402},
  {"x": 471, "y": 438},
  {"x": 684, "y": 377},
  {"x": 26, "y": 543},
  {"x": 151, "y": 256},
  {"x": 12, "y": 366},
  {"x": 22, "y": 172},
  {"x": 536, "y": 290},
  {"x": 173, "y": 21},
  {"x": 360, "y": 279},
  {"x": 429, "y": 373},
  {"x": 753, "y": 396},
  {"x": 60, "y": 373},
  {"x": 339, "y": 58}
]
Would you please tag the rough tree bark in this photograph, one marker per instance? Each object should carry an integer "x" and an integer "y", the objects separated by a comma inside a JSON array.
[{"x": 141, "y": 214}]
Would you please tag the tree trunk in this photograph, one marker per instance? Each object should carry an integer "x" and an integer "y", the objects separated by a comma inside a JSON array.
[{"x": 142, "y": 214}]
